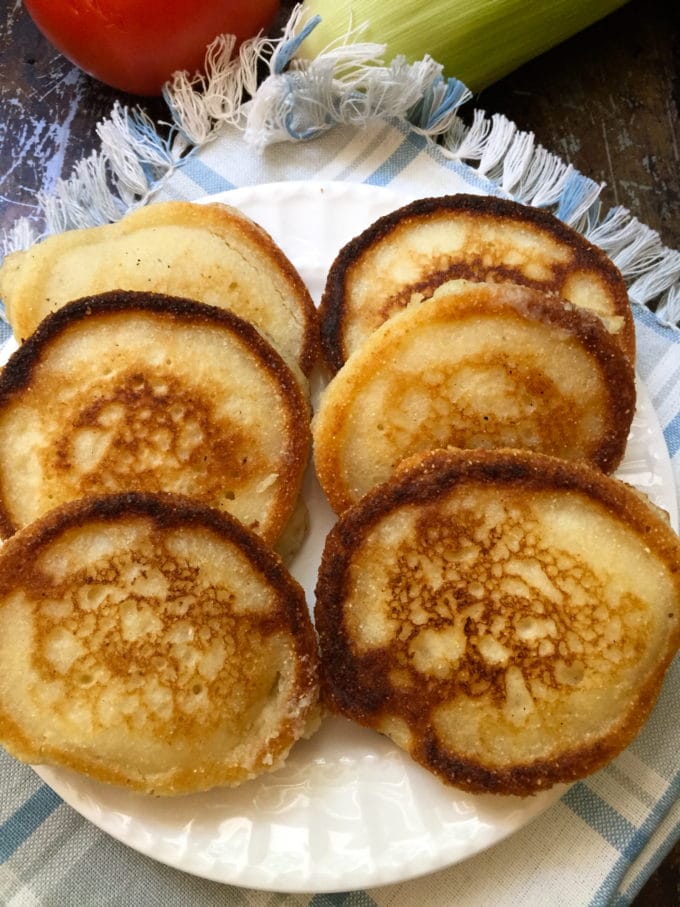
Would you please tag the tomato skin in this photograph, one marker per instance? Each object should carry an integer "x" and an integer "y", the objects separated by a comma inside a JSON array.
[{"x": 136, "y": 45}]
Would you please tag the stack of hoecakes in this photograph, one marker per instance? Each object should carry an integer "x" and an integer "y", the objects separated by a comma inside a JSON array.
[
  {"x": 490, "y": 598},
  {"x": 154, "y": 432}
]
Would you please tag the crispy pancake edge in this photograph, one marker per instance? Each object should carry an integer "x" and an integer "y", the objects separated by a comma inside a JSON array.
[
  {"x": 529, "y": 303},
  {"x": 16, "y": 374},
  {"x": 419, "y": 481},
  {"x": 332, "y": 313},
  {"x": 171, "y": 512},
  {"x": 216, "y": 218}
]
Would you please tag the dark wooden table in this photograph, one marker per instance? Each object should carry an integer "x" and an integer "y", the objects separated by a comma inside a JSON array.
[{"x": 607, "y": 100}]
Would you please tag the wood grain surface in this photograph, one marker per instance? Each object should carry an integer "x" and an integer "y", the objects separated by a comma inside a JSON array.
[{"x": 606, "y": 100}]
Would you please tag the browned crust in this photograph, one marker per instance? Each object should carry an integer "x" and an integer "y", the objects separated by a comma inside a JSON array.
[
  {"x": 169, "y": 512},
  {"x": 423, "y": 477},
  {"x": 617, "y": 369},
  {"x": 591, "y": 334},
  {"x": 16, "y": 374},
  {"x": 525, "y": 780},
  {"x": 332, "y": 313},
  {"x": 358, "y": 686}
]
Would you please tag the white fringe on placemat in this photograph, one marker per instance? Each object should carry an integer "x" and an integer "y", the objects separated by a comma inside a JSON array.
[{"x": 349, "y": 84}]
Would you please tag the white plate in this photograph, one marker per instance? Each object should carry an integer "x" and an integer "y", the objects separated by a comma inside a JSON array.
[{"x": 349, "y": 810}]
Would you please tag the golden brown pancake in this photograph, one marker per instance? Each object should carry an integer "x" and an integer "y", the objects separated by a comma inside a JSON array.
[
  {"x": 413, "y": 250},
  {"x": 505, "y": 617},
  {"x": 478, "y": 365},
  {"x": 151, "y": 642},
  {"x": 142, "y": 392},
  {"x": 210, "y": 253}
]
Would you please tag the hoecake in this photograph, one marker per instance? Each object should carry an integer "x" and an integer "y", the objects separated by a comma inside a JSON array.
[
  {"x": 151, "y": 642},
  {"x": 211, "y": 253},
  {"x": 477, "y": 365},
  {"x": 142, "y": 392},
  {"x": 505, "y": 617},
  {"x": 414, "y": 249}
]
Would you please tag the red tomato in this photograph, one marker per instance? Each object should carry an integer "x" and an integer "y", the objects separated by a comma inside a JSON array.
[{"x": 136, "y": 45}]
